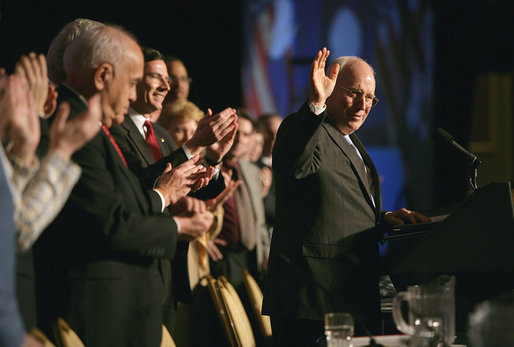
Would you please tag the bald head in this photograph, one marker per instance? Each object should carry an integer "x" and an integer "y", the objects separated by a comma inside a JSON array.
[
  {"x": 97, "y": 46},
  {"x": 348, "y": 106}
]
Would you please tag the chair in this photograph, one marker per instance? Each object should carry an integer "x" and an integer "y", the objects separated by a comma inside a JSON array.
[
  {"x": 221, "y": 311},
  {"x": 41, "y": 337},
  {"x": 64, "y": 335},
  {"x": 167, "y": 340},
  {"x": 255, "y": 295},
  {"x": 236, "y": 312},
  {"x": 231, "y": 312}
]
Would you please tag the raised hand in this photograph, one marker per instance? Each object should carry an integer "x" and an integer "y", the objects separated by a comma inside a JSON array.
[
  {"x": 217, "y": 150},
  {"x": 211, "y": 129},
  {"x": 321, "y": 86},
  {"x": 66, "y": 137},
  {"x": 176, "y": 183},
  {"x": 33, "y": 69},
  {"x": 20, "y": 117}
]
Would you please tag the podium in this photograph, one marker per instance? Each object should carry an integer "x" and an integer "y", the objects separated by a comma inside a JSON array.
[{"x": 475, "y": 243}]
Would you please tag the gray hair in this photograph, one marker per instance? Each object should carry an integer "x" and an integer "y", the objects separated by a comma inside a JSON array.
[
  {"x": 342, "y": 61},
  {"x": 59, "y": 44},
  {"x": 105, "y": 44}
]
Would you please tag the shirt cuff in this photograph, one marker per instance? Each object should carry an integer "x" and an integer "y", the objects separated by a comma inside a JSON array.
[
  {"x": 178, "y": 224},
  {"x": 316, "y": 109},
  {"x": 187, "y": 152},
  {"x": 162, "y": 199}
]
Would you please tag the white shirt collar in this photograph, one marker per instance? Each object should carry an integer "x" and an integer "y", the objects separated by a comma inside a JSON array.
[{"x": 139, "y": 120}]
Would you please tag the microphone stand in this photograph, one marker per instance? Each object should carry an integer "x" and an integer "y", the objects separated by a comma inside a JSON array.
[
  {"x": 287, "y": 261},
  {"x": 473, "y": 174}
]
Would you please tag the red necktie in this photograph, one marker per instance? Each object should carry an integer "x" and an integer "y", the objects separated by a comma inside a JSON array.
[
  {"x": 152, "y": 141},
  {"x": 115, "y": 145}
]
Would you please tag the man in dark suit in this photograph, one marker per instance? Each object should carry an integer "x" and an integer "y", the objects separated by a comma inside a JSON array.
[
  {"x": 96, "y": 265},
  {"x": 324, "y": 249},
  {"x": 151, "y": 143}
]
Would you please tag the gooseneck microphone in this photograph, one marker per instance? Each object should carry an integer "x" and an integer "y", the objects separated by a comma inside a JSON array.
[
  {"x": 470, "y": 159},
  {"x": 448, "y": 139}
]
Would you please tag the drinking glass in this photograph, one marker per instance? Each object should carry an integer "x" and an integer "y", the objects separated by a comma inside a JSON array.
[{"x": 339, "y": 329}]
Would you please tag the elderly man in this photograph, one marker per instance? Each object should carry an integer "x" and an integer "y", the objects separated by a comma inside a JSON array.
[
  {"x": 97, "y": 263},
  {"x": 324, "y": 250}
]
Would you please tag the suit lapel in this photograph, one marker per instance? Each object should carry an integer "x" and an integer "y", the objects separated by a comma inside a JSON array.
[
  {"x": 117, "y": 164},
  {"x": 138, "y": 140},
  {"x": 350, "y": 153},
  {"x": 166, "y": 148}
]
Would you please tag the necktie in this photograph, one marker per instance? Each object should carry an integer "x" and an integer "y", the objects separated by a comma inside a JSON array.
[
  {"x": 152, "y": 141},
  {"x": 115, "y": 145},
  {"x": 246, "y": 214},
  {"x": 367, "y": 177}
]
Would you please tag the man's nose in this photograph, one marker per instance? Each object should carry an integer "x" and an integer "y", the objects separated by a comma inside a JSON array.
[{"x": 361, "y": 102}]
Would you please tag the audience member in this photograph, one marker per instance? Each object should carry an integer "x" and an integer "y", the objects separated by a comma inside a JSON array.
[
  {"x": 268, "y": 125},
  {"x": 180, "y": 119},
  {"x": 58, "y": 46},
  {"x": 256, "y": 146},
  {"x": 40, "y": 187},
  {"x": 15, "y": 102},
  {"x": 138, "y": 136},
  {"x": 243, "y": 242},
  {"x": 103, "y": 279},
  {"x": 181, "y": 82}
]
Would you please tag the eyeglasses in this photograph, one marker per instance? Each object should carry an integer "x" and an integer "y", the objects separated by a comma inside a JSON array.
[
  {"x": 354, "y": 93},
  {"x": 157, "y": 77},
  {"x": 182, "y": 79}
]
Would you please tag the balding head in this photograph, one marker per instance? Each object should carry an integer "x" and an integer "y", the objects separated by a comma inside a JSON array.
[
  {"x": 346, "y": 107},
  {"x": 106, "y": 60}
]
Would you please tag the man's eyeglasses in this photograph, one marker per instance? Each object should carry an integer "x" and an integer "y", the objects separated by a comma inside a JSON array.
[
  {"x": 157, "y": 77},
  {"x": 354, "y": 93},
  {"x": 182, "y": 79}
]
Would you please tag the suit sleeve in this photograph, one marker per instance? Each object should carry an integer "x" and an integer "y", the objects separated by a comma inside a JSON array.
[
  {"x": 295, "y": 152},
  {"x": 106, "y": 218}
]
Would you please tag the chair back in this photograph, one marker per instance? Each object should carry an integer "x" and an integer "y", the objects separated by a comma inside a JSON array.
[
  {"x": 65, "y": 336},
  {"x": 236, "y": 312},
  {"x": 221, "y": 311},
  {"x": 255, "y": 295},
  {"x": 41, "y": 337}
]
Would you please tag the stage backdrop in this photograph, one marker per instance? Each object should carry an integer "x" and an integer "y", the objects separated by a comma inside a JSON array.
[{"x": 394, "y": 36}]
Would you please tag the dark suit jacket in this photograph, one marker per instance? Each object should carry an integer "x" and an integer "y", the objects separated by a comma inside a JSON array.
[
  {"x": 96, "y": 264},
  {"x": 175, "y": 275},
  {"x": 324, "y": 224}
]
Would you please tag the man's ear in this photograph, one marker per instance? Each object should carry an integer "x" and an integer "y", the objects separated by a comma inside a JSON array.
[{"x": 104, "y": 75}]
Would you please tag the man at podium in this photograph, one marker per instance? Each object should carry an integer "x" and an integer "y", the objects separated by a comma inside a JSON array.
[{"x": 324, "y": 249}]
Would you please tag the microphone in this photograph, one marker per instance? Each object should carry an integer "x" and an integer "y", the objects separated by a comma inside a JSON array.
[
  {"x": 287, "y": 260},
  {"x": 447, "y": 139}
]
